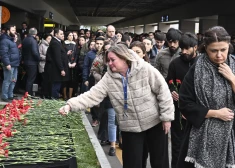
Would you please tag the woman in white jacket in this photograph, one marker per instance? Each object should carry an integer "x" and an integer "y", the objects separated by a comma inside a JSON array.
[
  {"x": 142, "y": 102},
  {"x": 43, "y": 50}
]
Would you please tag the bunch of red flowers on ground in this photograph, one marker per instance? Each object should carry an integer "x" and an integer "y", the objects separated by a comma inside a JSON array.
[{"x": 9, "y": 115}]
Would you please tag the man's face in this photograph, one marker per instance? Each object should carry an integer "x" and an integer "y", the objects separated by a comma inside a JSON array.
[
  {"x": 151, "y": 35},
  {"x": 88, "y": 34},
  {"x": 24, "y": 26},
  {"x": 159, "y": 44},
  {"x": 99, "y": 44},
  {"x": 173, "y": 46},
  {"x": 12, "y": 32},
  {"x": 60, "y": 35},
  {"x": 189, "y": 53},
  {"x": 111, "y": 31}
]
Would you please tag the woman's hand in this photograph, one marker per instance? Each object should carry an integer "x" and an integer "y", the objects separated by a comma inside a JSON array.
[
  {"x": 69, "y": 52},
  {"x": 166, "y": 125},
  {"x": 64, "y": 110},
  {"x": 225, "y": 114},
  {"x": 226, "y": 71}
]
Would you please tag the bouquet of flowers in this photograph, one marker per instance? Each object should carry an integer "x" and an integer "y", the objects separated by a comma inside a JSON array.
[{"x": 176, "y": 88}]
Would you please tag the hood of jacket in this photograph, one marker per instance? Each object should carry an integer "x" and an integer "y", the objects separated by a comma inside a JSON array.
[
  {"x": 6, "y": 36},
  {"x": 69, "y": 42},
  {"x": 136, "y": 65},
  {"x": 45, "y": 42}
]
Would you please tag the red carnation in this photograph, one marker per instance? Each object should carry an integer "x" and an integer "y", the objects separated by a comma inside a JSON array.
[
  {"x": 178, "y": 81},
  {"x": 96, "y": 64},
  {"x": 26, "y": 94},
  {"x": 170, "y": 81}
]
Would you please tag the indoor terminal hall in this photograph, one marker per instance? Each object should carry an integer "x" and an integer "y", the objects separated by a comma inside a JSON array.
[{"x": 117, "y": 84}]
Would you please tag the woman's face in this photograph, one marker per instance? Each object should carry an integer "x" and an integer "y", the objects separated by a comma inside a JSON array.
[
  {"x": 70, "y": 37},
  {"x": 92, "y": 45},
  {"x": 218, "y": 52},
  {"x": 75, "y": 35},
  {"x": 106, "y": 47},
  {"x": 82, "y": 41},
  {"x": 115, "y": 63},
  {"x": 119, "y": 36},
  {"x": 48, "y": 39},
  {"x": 138, "y": 51},
  {"x": 148, "y": 44}
]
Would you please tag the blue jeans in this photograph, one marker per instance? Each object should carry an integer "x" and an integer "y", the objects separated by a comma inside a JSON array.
[
  {"x": 112, "y": 128},
  {"x": 56, "y": 90},
  {"x": 8, "y": 84}
]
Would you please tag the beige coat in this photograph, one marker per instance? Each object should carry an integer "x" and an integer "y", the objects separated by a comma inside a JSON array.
[
  {"x": 149, "y": 98},
  {"x": 42, "y": 50}
]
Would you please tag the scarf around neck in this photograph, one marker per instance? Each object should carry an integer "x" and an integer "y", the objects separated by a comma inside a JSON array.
[{"x": 212, "y": 145}]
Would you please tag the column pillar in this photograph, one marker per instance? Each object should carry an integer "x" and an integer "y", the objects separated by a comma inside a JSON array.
[
  {"x": 227, "y": 22},
  {"x": 205, "y": 24},
  {"x": 139, "y": 29},
  {"x": 187, "y": 26},
  {"x": 148, "y": 28},
  {"x": 163, "y": 27},
  {"x": 131, "y": 29}
]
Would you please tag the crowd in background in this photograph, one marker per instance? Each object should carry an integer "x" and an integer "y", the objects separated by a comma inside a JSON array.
[{"x": 66, "y": 64}]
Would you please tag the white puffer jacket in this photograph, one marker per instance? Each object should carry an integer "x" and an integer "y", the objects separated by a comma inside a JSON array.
[{"x": 149, "y": 98}]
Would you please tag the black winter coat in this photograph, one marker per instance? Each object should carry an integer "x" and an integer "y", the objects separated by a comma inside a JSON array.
[
  {"x": 30, "y": 51},
  {"x": 193, "y": 112},
  {"x": 56, "y": 61}
]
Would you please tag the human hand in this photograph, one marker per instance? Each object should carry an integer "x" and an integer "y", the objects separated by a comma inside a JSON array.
[
  {"x": 166, "y": 125},
  {"x": 64, "y": 110},
  {"x": 86, "y": 83},
  {"x": 8, "y": 67},
  {"x": 226, "y": 71},
  {"x": 73, "y": 64},
  {"x": 69, "y": 52},
  {"x": 63, "y": 73},
  {"x": 225, "y": 114},
  {"x": 175, "y": 95},
  {"x": 183, "y": 117}
]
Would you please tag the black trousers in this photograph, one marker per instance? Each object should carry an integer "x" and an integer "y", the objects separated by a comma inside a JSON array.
[
  {"x": 31, "y": 71},
  {"x": 134, "y": 146},
  {"x": 177, "y": 135},
  {"x": 103, "y": 127}
]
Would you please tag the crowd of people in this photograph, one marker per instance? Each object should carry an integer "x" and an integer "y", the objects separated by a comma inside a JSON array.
[{"x": 141, "y": 89}]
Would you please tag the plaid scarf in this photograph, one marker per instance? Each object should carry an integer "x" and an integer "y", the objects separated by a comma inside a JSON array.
[{"x": 212, "y": 145}]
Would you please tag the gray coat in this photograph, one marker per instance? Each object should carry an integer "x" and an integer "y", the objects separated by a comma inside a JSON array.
[{"x": 164, "y": 59}]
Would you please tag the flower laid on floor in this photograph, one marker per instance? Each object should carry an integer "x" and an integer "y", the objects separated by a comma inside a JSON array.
[
  {"x": 33, "y": 132},
  {"x": 9, "y": 115}
]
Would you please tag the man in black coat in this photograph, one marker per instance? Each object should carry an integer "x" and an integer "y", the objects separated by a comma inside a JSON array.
[
  {"x": 176, "y": 72},
  {"x": 57, "y": 62},
  {"x": 30, "y": 57},
  {"x": 24, "y": 31}
]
